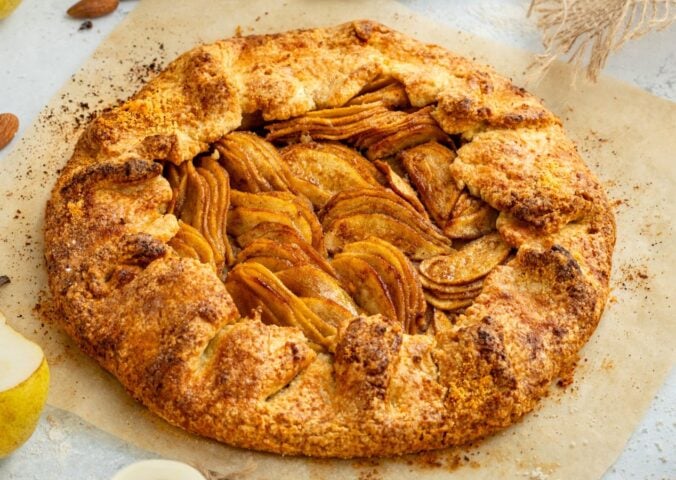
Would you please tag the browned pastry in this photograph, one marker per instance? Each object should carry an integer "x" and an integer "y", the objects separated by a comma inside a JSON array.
[{"x": 279, "y": 291}]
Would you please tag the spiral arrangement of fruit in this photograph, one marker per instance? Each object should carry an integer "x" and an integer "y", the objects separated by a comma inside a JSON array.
[{"x": 314, "y": 220}]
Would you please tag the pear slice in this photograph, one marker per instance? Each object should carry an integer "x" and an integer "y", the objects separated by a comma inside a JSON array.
[
  {"x": 391, "y": 277},
  {"x": 468, "y": 264},
  {"x": 448, "y": 305},
  {"x": 429, "y": 169},
  {"x": 334, "y": 123},
  {"x": 357, "y": 214},
  {"x": 254, "y": 287},
  {"x": 441, "y": 290},
  {"x": 24, "y": 382},
  {"x": 253, "y": 163},
  {"x": 372, "y": 201},
  {"x": 309, "y": 281},
  {"x": 328, "y": 311},
  {"x": 321, "y": 170},
  {"x": 250, "y": 209},
  {"x": 189, "y": 242},
  {"x": 403, "y": 131},
  {"x": 471, "y": 218},
  {"x": 158, "y": 469},
  {"x": 358, "y": 227},
  {"x": 400, "y": 186},
  {"x": 280, "y": 256},
  {"x": 415, "y": 304},
  {"x": 365, "y": 286}
]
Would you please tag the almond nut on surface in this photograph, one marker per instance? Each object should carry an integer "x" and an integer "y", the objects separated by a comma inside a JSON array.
[
  {"x": 9, "y": 124},
  {"x": 92, "y": 8}
]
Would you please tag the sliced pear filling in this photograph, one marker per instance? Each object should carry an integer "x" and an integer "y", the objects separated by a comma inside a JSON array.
[
  {"x": 201, "y": 200},
  {"x": 320, "y": 170},
  {"x": 255, "y": 288},
  {"x": 452, "y": 281},
  {"x": 357, "y": 214},
  {"x": 429, "y": 168},
  {"x": 323, "y": 234},
  {"x": 471, "y": 218},
  {"x": 254, "y": 165}
]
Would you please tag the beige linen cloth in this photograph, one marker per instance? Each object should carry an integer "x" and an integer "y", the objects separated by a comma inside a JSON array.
[{"x": 626, "y": 135}]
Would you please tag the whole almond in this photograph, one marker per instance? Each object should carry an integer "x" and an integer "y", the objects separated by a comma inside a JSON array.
[
  {"x": 9, "y": 124},
  {"x": 92, "y": 8}
]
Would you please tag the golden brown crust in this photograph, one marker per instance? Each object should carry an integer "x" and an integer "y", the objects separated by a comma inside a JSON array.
[{"x": 166, "y": 327}]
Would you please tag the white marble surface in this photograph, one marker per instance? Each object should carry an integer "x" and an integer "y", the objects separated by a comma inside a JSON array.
[{"x": 40, "y": 48}]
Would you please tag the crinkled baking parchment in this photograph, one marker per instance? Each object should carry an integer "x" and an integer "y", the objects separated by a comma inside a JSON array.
[{"x": 625, "y": 135}]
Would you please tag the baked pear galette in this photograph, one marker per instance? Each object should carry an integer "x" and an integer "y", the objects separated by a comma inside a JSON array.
[{"x": 333, "y": 242}]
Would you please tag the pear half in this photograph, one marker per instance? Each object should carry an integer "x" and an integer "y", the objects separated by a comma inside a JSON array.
[{"x": 24, "y": 381}]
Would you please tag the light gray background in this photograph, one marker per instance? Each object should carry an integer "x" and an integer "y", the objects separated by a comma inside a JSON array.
[{"x": 40, "y": 48}]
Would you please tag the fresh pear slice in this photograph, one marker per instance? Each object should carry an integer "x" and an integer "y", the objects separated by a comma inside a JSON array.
[
  {"x": 158, "y": 470},
  {"x": 468, "y": 264},
  {"x": 24, "y": 382}
]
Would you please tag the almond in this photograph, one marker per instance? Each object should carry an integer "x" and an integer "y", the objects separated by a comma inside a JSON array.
[
  {"x": 92, "y": 8},
  {"x": 9, "y": 124}
]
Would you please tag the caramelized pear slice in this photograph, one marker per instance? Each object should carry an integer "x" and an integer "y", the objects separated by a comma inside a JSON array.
[
  {"x": 448, "y": 305},
  {"x": 360, "y": 226},
  {"x": 329, "y": 311},
  {"x": 364, "y": 285},
  {"x": 391, "y": 95},
  {"x": 357, "y": 214},
  {"x": 333, "y": 123},
  {"x": 468, "y": 264},
  {"x": 279, "y": 256},
  {"x": 391, "y": 278},
  {"x": 254, "y": 287},
  {"x": 471, "y": 289},
  {"x": 400, "y": 186},
  {"x": 321, "y": 170},
  {"x": 399, "y": 275},
  {"x": 428, "y": 167},
  {"x": 375, "y": 200},
  {"x": 254, "y": 164},
  {"x": 309, "y": 281},
  {"x": 189, "y": 242},
  {"x": 471, "y": 218},
  {"x": 219, "y": 214},
  {"x": 178, "y": 180},
  {"x": 250, "y": 209},
  {"x": 386, "y": 139}
]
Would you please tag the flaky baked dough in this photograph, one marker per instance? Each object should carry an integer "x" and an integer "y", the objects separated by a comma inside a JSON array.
[{"x": 166, "y": 327}]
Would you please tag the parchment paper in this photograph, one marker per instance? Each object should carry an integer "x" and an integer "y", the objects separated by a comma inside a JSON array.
[{"x": 626, "y": 135}]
